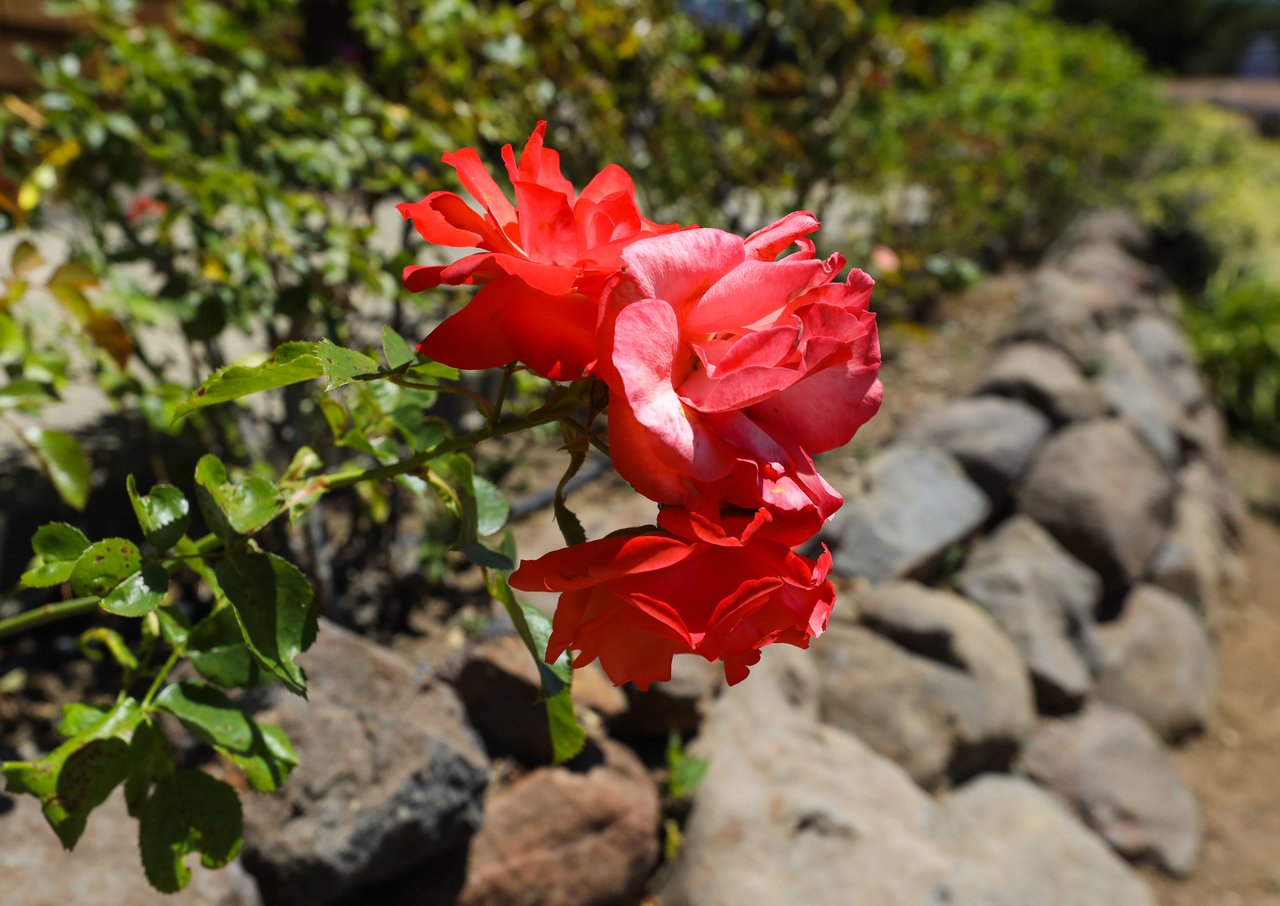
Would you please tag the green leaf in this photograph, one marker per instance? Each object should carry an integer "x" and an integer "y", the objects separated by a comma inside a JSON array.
[
  {"x": 58, "y": 546},
  {"x": 103, "y": 566},
  {"x": 491, "y": 506},
  {"x": 232, "y": 509},
  {"x": 217, "y": 649},
  {"x": 274, "y": 603},
  {"x": 75, "y": 778},
  {"x": 139, "y": 594},
  {"x": 61, "y": 457},
  {"x": 570, "y": 526},
  {"x": 188, "y": 812},
  {"x": 291, "y": 363},
  {"x": 164, "y": 514},
  {"x": 342, "y": 366},
  {"x": 78, "y": 718},
  {"x": 175, "y": 627},
  {"x": 395, "y": 350},
  {"x": 208, "y": 714},
  {"x": 113, "y": 642},
  {"x": 263, "y": 752},
  {"x": 151, "y": 758},
  {"x": 567, "y": 735},
  {"x": 534, "y": 628},
  {"x": 25, "y": 258}
]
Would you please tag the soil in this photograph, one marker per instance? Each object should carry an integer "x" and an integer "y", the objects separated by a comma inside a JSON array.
[{"x": 1234, "y": 768}]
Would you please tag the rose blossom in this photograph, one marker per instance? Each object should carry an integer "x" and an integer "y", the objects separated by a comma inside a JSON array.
[
  {"x": 544, "y": 263},
  {"x": 700, "y": 583},
  {"x": 729, "y": 366}
]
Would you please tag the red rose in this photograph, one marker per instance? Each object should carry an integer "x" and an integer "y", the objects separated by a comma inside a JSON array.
[
  {"x": 729, "y": 366},
  {"x": 699, "y": 584},
  {"x": 545, "y": 261}
]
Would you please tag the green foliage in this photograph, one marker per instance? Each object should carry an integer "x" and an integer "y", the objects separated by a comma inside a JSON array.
[
  {"x": 188, "y": 812},
  {"x": 1213, "y": 186},
  {"x": 273, "y": 602}
]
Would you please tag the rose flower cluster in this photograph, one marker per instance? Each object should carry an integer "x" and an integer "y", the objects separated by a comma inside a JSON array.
[{"x": 730, "y": 362}]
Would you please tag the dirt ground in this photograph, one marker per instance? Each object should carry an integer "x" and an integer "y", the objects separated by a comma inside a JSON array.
[{"x": 1235, "y": 767}]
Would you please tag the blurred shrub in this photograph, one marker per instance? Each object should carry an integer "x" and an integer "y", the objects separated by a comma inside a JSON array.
[
  {"x": 1213, "y": 187},
  {"x": 1010, "y": 123}
]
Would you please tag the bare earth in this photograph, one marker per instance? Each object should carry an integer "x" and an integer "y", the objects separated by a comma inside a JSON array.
[{"x": 1235, "y": 767}]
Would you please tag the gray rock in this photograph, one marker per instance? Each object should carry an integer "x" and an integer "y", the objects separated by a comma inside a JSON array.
[
  {"x": 1134, "y": 391},
  {"x": 1210, "y": 482},
  {"x": 1115, "y": 226},
  {"x": 1015, "y": 846},
  {"x": 1044, "y": 600},
  {"x": 389, "y": 775},
  {"x": 1111, "y": 770},
  {"x": 1194, "y": 561},
  {"x": 1204, "y": 433},
  {"x": 802, "y": 813},
  {"x": 993, "y": 438},
  {"x": 1135, "y": 282},
  {"x": 1046, "y": 378},
  {"x": 104, "y": 870},
  {"x": 929, "y": 682},
  {"x": 1058, "y": 310},
  {"x": 1165, "y": 349},
  {"x": 1157, "y": 661},
  {"x": 915, "y": 504},
  {"x": 578, "y": 835},
  {"x": 1099, "y": 490},
  {"x": 498, "y": 682}
]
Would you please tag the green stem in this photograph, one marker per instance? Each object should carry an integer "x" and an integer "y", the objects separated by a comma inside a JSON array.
[
  {"x": 47, "y": 613},
  {"x": 453, "y": 445},
  {"x": 495, "y": 413},
  {"x": 158, "y": 683}
]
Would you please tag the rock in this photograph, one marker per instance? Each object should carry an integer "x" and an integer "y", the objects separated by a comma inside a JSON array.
[
  {"x": 1204, "y": 434},
  {"x": 104, "y": 870},
  {"x": 916, "y": 503},
  {"x": 389, "y": 775},
  {"x": 1015, "y": 846},
  {"x": 499, "y": 684},
  {"x": 1099, "y": 490},
  {"x": 579, "y": 835},
  {"x": 929, "y": 682},
  {"x": 1136, "y": 284},
  {"x": 1210, "y": 483},
  {"x": 1137, "y": 394},
  {"x": 1194, "y": 561},
  {"x": 1044, "y": 600},
  {"x": 1115, "y": 226},
  {"x": 1165, "y": 349},
  {"x": 1059, "y": 311},
  {"x": 791, "y": 811},
  {"x": 1111, "y": 770},
  {"x": 1157, "y": 661},
  {"x": 993, "y": 438},
  {"x": 677, "y": 705},
  {"x": 1046, "y": 378}
]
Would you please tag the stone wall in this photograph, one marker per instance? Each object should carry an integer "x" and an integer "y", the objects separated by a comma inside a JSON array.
[{"x": 1030, "y": 572}]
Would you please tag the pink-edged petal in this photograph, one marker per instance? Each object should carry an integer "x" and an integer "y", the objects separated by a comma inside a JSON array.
[
  {"x": 765, "y": 244},
  {"x": 642, "y": 461},
  {"x": 475, "y": 179},
  {"x": 823, "y": 411},
  {"x": 594, "y": 562},
  {"x": 679, "y": 267},
  {"x": 755, "y": 291},
  {"x": 474, "y": 338}
]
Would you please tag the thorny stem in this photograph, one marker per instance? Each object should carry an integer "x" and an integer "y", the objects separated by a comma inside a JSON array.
[{"x": 47, "y": 613}]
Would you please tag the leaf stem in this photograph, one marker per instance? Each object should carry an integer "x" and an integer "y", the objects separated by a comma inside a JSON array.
[
  {"x": 158, "y": 683},
  {"x": 47, "y": 613}
]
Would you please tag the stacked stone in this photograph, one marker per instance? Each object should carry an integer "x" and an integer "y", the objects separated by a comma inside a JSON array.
[{"x": 1032, "y": 571}]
